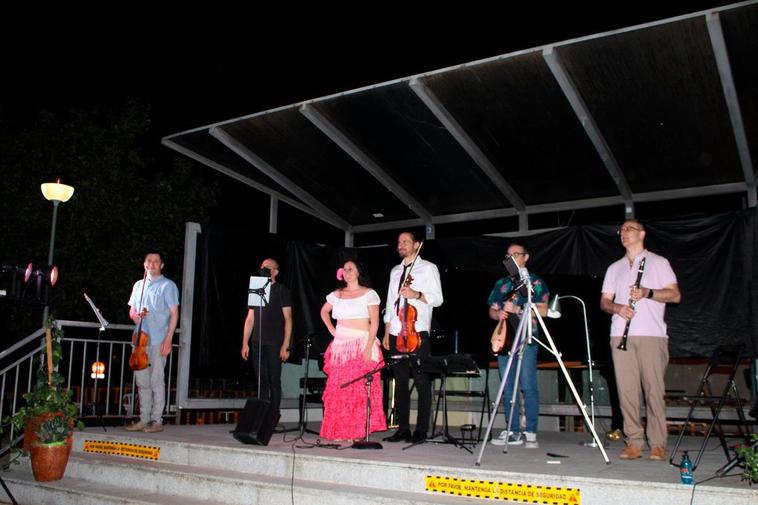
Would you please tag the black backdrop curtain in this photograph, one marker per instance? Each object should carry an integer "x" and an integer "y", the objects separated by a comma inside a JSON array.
[{"x": 713, "y": 258}]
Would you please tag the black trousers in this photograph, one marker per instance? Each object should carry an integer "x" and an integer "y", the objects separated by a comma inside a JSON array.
[
  {"x": 271, "y": 371},
  {"x": 403, "y": 373}
]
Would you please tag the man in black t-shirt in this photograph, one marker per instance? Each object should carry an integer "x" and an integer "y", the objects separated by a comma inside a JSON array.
[{"x": 274, "y": 337}]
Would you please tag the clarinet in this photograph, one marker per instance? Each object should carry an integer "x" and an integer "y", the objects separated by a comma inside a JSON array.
[{"x": 624, "y": 338}]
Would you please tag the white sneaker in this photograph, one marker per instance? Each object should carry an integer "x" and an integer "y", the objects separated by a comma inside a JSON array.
[
  {"x": 513, "y": 438},
  {"x": 531, "y": 440}
]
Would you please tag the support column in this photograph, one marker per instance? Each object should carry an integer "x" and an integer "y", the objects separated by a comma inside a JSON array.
[{"x": 273, "y": 214}]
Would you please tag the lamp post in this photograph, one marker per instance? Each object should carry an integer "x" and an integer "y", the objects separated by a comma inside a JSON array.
[
  {"x": 554, "y": 311},
  {"x": 54, "y": 192}
]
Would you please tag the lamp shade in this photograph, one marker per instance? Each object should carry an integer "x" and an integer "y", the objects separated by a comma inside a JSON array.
[
  {"x": 554, "y": 308},
  {"x": 98, "y": 370},
  {"x": 57, "y": 192}
]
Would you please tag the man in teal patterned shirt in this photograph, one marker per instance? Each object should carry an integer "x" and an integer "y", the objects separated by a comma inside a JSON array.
[{"x": 501, "y": 309}]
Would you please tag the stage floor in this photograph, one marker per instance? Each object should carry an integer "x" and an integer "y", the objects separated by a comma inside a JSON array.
[
  {"x": 575, "y": 459},
  {"x": 203, "y": 464}
]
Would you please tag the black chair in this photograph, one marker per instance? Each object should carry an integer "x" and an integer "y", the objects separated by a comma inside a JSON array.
[{"x": 724, "y": 361}]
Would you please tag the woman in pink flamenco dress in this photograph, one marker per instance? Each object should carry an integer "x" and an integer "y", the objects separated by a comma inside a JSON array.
[{"x": 354, "y": 351}]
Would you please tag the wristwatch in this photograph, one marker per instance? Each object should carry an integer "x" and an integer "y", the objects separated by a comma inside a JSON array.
[
  {"x": 650, "y": 294},
  {"x": 420, "y": 294}
]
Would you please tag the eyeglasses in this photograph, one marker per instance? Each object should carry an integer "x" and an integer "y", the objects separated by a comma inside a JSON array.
[{"x": 627, "y": 229}]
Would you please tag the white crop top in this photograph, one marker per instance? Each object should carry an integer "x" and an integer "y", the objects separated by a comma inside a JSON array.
[{"x": 352, "y": 308}]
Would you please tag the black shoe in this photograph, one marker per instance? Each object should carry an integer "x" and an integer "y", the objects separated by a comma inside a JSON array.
[
  {"x": 417, "y": 436},
  {"x": 399, "y": 436}
]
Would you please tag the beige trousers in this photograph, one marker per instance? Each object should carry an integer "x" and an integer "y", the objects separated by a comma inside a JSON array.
[{"x": 642, "y": 367}]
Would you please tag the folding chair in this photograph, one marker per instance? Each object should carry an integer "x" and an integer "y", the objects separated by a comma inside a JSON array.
[{"x": 724, "y": 361}]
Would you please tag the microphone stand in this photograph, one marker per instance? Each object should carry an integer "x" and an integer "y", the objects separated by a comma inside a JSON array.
[{"x": 369, "y": 376}]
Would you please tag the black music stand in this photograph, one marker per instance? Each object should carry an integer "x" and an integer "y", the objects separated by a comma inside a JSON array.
[
  {"x": 258, "y": 295},
  {"x": 482, "y": 361},
  {"x": 444, "y": 366},
  {"x": 302, "y": 424},
  {"x": 95, "y": 407}
]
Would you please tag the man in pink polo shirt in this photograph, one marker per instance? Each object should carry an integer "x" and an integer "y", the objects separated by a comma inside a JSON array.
[{"x": 647, "y": 355}]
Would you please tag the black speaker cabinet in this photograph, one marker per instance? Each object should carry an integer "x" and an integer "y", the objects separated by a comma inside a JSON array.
[{"x": 257, "y": 422}]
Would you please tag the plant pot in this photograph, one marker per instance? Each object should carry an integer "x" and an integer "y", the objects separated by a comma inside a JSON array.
[
  {"x": 32, "y": 427},
  {"x": 49, "y": 460}
]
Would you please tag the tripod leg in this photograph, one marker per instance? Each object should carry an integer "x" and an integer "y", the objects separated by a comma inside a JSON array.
[
  {"x": 579, "y": 403},
  {"x": 8, "y": 491},
  {"x": 735, "y": 461},
  {"x": 499, "y": 395}
]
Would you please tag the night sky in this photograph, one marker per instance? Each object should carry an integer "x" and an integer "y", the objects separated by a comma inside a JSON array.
[{"x": 198, "y": 68}]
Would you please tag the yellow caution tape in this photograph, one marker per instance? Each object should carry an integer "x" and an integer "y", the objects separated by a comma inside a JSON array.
[
  {"x": 122, "y": 449},
  {"x": 507, "y": 491}
]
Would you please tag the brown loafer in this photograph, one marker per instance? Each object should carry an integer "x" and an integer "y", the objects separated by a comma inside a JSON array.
[
  {"x": 658, "y": 453},
  {"x": 630, "y": 452},
  {"x": 135, "y": 426}
]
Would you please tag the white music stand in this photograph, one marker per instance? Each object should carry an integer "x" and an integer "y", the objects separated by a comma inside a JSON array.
[
  {"x": 258, "y": 295},
  {"x": 258, "y": 291}
]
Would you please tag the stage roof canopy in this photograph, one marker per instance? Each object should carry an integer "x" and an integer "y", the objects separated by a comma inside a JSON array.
[{"x": 660, "y": 111}]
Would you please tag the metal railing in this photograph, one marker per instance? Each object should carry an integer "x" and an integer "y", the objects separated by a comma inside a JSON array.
[{"x": 111, "y": 396}]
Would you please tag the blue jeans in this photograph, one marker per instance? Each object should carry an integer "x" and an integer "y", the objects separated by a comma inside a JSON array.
[{"x": 529, "y": 387}]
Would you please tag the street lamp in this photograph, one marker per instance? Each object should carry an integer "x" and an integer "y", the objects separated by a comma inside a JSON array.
[
  {"x": 554, "y": 311},
  {"x": 54, "y": 192}
]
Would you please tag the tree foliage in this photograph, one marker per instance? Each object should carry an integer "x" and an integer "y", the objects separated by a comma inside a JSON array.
[{"x": 130, "y": 196}]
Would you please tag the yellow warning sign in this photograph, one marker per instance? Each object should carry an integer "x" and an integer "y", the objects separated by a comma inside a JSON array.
[
  {"x": 526, "y": 493},
  {"x": 122, "y": 449}
]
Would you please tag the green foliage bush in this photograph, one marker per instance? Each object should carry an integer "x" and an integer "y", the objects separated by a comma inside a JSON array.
[
  {"x": 748, "y": 456},
  {"x": 46, "y": 398}
]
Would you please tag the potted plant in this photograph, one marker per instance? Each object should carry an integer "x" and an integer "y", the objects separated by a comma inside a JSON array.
[
  {"x": 49, "y": 453},
  {"x": 748, "y": 457},
  {"x": 47, "y": 399}
]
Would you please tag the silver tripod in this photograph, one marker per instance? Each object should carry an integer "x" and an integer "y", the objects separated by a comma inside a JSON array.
[{"x": 522, "y": 339}]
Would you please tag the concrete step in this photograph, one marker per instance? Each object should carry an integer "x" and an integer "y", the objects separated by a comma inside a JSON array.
[
  {"x": 206, "y": 465},
  {"x": 74, "y": 491},
  {"x": 91, "y": 480}
]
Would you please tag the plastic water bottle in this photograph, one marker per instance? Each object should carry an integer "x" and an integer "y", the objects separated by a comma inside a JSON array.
[{"x": 685, "y": 469}]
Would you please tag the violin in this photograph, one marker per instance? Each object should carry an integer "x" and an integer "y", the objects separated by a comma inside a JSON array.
[
  {"x": 140, "y": 339},
  {"x": 408, "y": 339}
]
